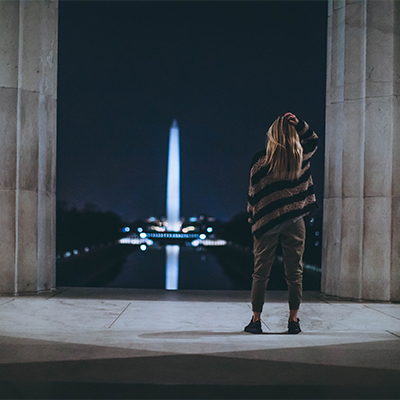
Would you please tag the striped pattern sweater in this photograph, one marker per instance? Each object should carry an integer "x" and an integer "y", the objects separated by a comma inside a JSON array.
[{"x": 272, "y": 202}]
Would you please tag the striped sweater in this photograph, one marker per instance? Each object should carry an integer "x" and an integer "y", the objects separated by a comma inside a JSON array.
[{"x": 272, "y": 202}]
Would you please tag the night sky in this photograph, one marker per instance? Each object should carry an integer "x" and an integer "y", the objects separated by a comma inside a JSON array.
[{"x": 225, "y": 70}]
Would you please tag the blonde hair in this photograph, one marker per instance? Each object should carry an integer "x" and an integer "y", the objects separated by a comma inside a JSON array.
[{"x": 284, "y": 152}]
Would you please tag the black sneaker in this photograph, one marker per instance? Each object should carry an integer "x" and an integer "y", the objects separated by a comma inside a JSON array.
[
  {"x": 253, "y": 327},
  {"x": 294, "y": 327}
]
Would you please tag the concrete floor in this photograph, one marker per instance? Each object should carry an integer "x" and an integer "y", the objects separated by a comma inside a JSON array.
[{"x": 119, "y": 343}]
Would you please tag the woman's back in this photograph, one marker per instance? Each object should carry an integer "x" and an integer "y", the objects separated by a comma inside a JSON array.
[{"x": 281, "y": 186}]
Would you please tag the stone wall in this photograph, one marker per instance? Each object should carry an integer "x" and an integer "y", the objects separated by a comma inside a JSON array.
[
  {"x": 361, "y": 247},
  {"x": 28, "y": 102}
]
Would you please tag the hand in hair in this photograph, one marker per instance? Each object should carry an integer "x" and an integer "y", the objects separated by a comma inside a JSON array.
[{"x": 292, "y": 119}]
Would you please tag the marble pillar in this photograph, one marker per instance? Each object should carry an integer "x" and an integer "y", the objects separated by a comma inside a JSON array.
[
  {"x": 28, "y": 102},
  {"x": 361, "y": 246}
]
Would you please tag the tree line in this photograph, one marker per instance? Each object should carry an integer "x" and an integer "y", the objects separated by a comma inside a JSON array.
[{"x": 88, "y": 227}]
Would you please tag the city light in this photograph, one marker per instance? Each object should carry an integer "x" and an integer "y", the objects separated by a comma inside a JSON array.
[
  {"x": 157, "y": 228},
  {"x": 136, "y": 241},
  {"x": 140, "y": 229},
  {"x": 188, "y": 229},
  {"x": 143, "y": 247},
  {"x": 312, "y": 267},
  {"x": 126, "y": 229},
  {"x": 209, "y": 229},
  {"x": 202, "y": 236},
  {"x": 210, "y": 242},
  {"x": 143, "y": 235}
]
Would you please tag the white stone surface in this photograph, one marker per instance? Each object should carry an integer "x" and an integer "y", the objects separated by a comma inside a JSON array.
[
  {"x": 337, "y": 4},
  {"x": 380, "y": 50},
  {"x": 28, "y": 141},
  {"x": 328, "y": 139},
  {"x": 396, "y": 143},
  {"x": 395, "y": 261},
  {"x": 391, "y": 310},
  {"x": 396, "y": 47},
  {"x": 354, "y": 76},
  {"x": 9, "y": 28},
  {"x": 28, "y": 86},
  {"x": 337, "y": 55},
  {"x": 38, "y": 47},
  {"x": 30, "y": 45},
  {"x": 47, "y": 144},
  {"x": 8, "y": 138},
  {"x": 48, "y": 72},
  {"x": 46, "y": 278},
  {"x": 377, "y": 248},
  {"x": 124, "y": 343},
  {"x": 330, "y": 8},
  {"x": 335, "y": 150},
  {"x": 378, "y": 146},
  {"x": 351, "y": 247},
  {"x": 353, "y": 148},
  {"x": 362, "y": 147},
  {"x": 328, "y": 117},
  {"x": 153, "y": 327},
  {"x": 7, "y": 242},
  {"x": 332, "y": 236},
  {"x": 27, "y": 240}
]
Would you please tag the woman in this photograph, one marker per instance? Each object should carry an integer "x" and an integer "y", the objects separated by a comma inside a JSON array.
[{"x": 281, "y": 193}]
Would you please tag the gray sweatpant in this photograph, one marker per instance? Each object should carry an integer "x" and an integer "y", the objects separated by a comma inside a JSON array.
[{"x": 264, "y": 249}]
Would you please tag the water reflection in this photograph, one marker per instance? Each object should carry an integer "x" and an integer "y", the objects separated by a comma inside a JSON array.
[
  {"x": 188, "y": 268},
  {"x": 171, "y": 267}
]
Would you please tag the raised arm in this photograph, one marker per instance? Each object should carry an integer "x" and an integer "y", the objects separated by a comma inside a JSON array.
[{"x": 308, "y": 138}]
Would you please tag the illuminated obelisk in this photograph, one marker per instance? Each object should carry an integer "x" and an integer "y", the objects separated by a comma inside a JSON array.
[
  {"x": 173, "y": 180},
  {"x": 173, "y": 208}
]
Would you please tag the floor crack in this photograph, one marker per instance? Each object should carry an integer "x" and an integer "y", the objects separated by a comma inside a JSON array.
[
  {"x": 9, "y": 301},
  {"x": 116, "y": 319},
  {"x": 398, "y": 336},
  {"x": 381, "y": 312}
]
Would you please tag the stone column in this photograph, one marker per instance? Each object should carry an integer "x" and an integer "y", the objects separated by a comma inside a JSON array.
[
  {"x": 361, "y": 246},
  {"x": 28, "y": 93}
]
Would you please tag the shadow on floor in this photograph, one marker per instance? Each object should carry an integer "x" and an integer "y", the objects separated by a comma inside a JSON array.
[
  {"x": 195, "y": 376},
  {"x": 199, "y": 334},
  {"x": 63, "y": 390}
]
